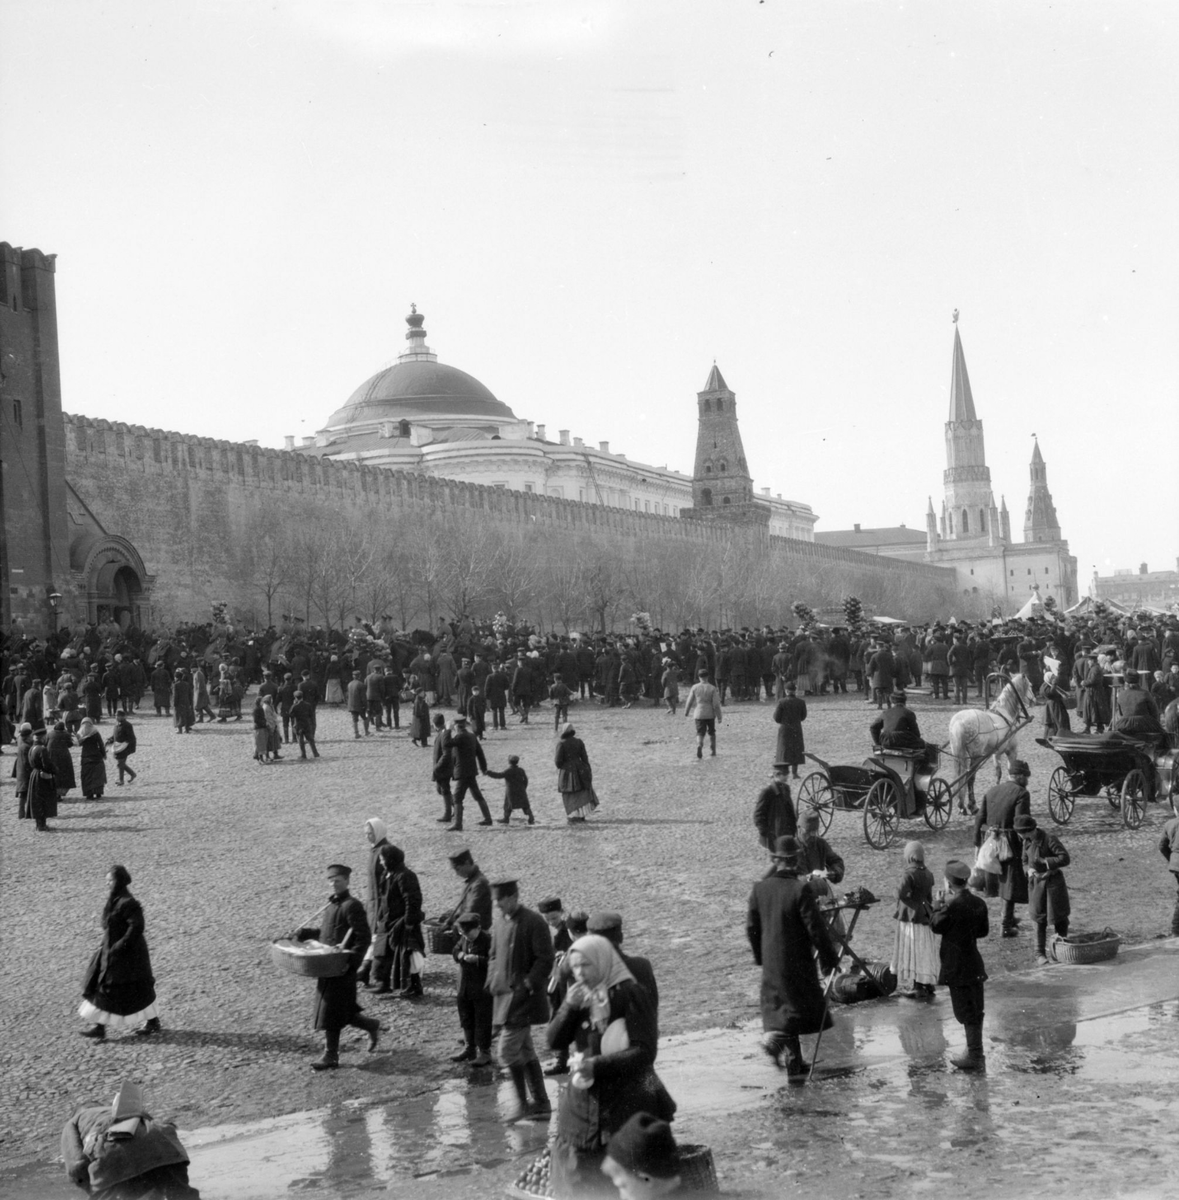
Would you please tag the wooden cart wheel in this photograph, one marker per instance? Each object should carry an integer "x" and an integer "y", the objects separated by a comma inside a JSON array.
[
  {"x": 1061, "y": 800},
  {"x": 1113, "y": 796},
  {"x": 881, "y": 806},
  {"x": 1133, "y": 799},
  {"x": 816, "y": 792},
  {"x": 938, "y": 803}
]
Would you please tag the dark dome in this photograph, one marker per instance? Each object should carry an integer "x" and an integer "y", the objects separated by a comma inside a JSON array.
[{"x": 419, "y": 388}]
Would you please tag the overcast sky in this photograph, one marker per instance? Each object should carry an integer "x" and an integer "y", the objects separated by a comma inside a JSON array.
[{"x": 592, "y": 202}]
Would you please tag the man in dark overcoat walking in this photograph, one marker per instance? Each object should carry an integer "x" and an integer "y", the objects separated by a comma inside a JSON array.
[
  {"x": 785, "y": 930},
  {"x": 345, "y": 925},
  {"x": 468, "y": 762},
  {"x": 789, "y": 713},
  {"x": 998, "y": 811}
]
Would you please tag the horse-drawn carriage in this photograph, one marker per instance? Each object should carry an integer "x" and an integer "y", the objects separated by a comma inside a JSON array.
[
  {"x": 895, "y": 785},
  {"x": 891, "y": 786},
  {"x": 1129, "y": 771}
]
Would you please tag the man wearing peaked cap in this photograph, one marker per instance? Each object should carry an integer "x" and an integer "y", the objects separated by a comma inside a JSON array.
[
  {"x": 518, "y": 973},
  {"x": 608, "y": 924},
  {"x": 344, "y": 925},
  {"x": 961, "y": 919},
  {"x": 1000, "y": 808}
]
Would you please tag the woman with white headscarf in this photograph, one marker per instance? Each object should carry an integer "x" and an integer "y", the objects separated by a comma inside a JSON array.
[
  {"x": 607, "y": 1021},
  {"x": 916, "y": 959},
  {"x": 93, "y": 761}
]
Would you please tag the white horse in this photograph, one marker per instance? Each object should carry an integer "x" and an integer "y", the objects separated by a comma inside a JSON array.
[{"x": 976, "y": 735}]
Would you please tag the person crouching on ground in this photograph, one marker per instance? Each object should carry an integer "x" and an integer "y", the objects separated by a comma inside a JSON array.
[
  {"x": 474, "y": 1002},
  {"x": 960, "y": 917},
  {"x": 1044, "y": 856},
  {"x": 515, "y": 790},
  {"x": 915, "y": 951}
]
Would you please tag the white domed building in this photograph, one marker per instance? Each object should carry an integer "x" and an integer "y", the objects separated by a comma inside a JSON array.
[{"x": 421, "y": 415}]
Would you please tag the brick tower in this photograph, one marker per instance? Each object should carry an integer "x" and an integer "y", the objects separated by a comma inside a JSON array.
[
  {"x": 1041, "y": 523},
  {"x": 968, "y": 501},
  {"x": 722, "y": 488}
]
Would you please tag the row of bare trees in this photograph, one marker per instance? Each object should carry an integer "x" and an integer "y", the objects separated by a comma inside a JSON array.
[{"x": 329, "y": 567}]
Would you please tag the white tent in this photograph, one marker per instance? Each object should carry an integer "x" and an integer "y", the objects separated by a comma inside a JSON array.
[{"x": 1033, "y": 608}]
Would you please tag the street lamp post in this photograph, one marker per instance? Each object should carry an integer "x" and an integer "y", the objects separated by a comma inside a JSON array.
[{"x": 54, "y": 605}]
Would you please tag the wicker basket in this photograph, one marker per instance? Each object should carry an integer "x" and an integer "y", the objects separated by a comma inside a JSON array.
[
  {"x": 1083, "y": 948},
  {"x": 298, "y": 958},
  {"x": 440, "y": 939},
  {"x": 697, "y": 1175}
]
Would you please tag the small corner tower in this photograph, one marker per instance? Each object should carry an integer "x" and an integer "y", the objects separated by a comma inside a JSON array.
[
  {"x": 722, "y": 487},
  {"x": 967, "y": 478},
  {"x": 1040, "y": 521}
]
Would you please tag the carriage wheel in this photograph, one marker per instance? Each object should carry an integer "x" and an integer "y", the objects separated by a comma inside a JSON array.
[
  {"x": 1061, "y": 800},
  {"x": 938, "y": 803},
  {"x": 1133, "y": 799},
  {"x": 880, "y": 814},
  {"x": 1113, "y": 796},
  {"x": 816, "y": 792}
]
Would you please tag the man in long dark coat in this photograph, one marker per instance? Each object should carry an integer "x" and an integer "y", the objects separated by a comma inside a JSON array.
[
  {"x": 344, "y": 924},
  {"x": 789, "y": 713},
  {"x": 999, "y": 808},
  {"x": 774, "y": 813},
  {"x": 785, "y": 930}
]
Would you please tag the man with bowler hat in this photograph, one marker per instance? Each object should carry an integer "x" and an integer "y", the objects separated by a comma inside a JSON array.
[
  {"x": 517, "y": 978},
  {"x": 344, "y": 925},
  {"x": 786, "y": 930}
]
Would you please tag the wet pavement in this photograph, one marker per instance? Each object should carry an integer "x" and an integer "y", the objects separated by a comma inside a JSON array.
[{"x": 1077, "y": 1101}]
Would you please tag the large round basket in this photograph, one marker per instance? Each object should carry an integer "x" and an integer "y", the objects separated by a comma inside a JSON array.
[
  {"x": 697, "y": 1175},
  {"x": 303, "y": 958},
  {"x": 440, "y": 939},
  {"x": 1081, "y": 949}
]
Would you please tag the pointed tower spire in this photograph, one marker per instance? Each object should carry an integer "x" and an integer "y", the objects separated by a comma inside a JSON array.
[
  {"x": 967, "y": 479},
  {"x": 961, "y": 397},
  {"x": 722, "y": 488},
  {"x": 1040, "y": 521}
]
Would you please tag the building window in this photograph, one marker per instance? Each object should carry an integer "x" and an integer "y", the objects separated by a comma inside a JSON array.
[
  {"x": 647, "y": 505},
  {"x": 1029, "y": 570},
  {"x": 982, "y": 520},
  {"x": 708, "y": 406},
  {"x": 725, "y": 500},
  {"x": 665, "y": 510},
  {"x": 1013, "y": 571},
  {"x": 974, "y": 590},
  {"x": 581, "y": 494},
  {"x": 501, "y": 484},
  {"x": 1045, "y": 570},
  {"x": 951, "y": 520},
  {"x": 18, "y": 413},
  {"x": 708, "y": 468},
  {"x": 972, "y": 570},
  {"x": 403, "y": 428},
  {"x": 965, "y": 521},
  {"x": 528, "y": 487},
  {"x": 720, "y": 405},
  {"x": 705, "y": 497},
  {"x": 638, "y": 505}
]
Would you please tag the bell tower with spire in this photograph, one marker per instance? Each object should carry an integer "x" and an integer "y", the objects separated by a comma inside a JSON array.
[
  {"x": 968, "y": 501},
  {"x": 1040, "y": 522},
  {"x": 722, "y": 488}
]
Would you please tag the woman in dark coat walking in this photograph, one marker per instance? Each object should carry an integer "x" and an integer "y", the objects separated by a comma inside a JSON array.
[
  {"x": 401, "y": 919},
  {"x": 785, "y": 930},
  {"x": 58, "y": 744},
  {"x": 789, "y": 713},
  {"x": 119, "y": 991},
  {"x": 575, "y": 777},
  {"x": 93, "y": 760},
  {"x": 613, "y": 1077}
]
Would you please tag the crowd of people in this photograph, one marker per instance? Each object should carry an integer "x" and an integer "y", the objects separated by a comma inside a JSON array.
[{"x": 546, "y": 966}]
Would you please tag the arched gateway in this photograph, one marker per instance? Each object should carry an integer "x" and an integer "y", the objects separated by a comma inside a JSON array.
[{"x": 112, "y": 579}]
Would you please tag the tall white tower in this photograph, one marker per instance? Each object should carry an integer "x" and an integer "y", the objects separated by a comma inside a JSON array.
[{"x": 966, "y": 510}]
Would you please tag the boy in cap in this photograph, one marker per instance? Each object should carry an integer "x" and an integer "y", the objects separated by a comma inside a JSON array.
[
  {"x": 517, "y": 977},
  {"x": 1044, "y": 858},
  {"x": 642, "y": 1160},
  {"x": 961, "y": 919},
  {"x": 345, "y": 925},
  {"x": 477, "y": 711},
  {"x": 554, "y": 914},
  {"x": 474, "y": 1002},
  {"x": 515, "y": 790}
]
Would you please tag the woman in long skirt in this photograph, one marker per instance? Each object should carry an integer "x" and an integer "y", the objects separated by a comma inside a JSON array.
[
  {"x": 93, "y": 760},
  {"x": 261, "y": 733},
  {"x": 915, "y": 955},
  {"x": 119, "y": 989},
  {"x": 575, "y": 777}
]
